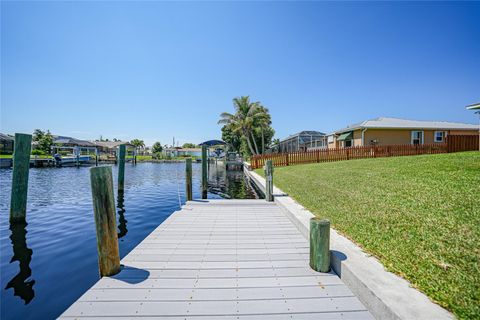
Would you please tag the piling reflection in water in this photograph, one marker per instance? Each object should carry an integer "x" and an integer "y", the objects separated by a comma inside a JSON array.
[
  {"x": 22, "y": 286},
  {"x": 230, "y": 183},
  {"x": 122, "y": 222}
]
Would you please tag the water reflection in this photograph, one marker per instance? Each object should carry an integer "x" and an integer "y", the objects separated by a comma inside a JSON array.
[
  {"x": 22, "y": 287},
  {"x": 230, "y": 183},
  {"x": 122, "y": 222}
]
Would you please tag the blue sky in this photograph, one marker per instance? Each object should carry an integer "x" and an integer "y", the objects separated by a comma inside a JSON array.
[{"x": 154, "y": 70}]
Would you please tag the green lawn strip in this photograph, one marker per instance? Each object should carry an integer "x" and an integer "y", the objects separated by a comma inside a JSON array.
[
  {"x": 420, "y": 215},
  {"x": 144, "y": 158}
]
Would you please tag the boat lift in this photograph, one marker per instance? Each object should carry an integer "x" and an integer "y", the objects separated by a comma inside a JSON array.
[{"x": 77, "y": 157}]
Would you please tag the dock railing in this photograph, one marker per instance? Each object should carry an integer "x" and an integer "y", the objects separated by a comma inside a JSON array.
[{"x": 453, "y": 144}]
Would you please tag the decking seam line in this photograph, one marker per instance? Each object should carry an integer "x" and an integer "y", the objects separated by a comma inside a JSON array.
[
  {"x": 234, "y": 277},
  {"x": 272, "y": 268},
  {"x": 225, "y": 315},
  {"x": 217, "y": 288},
  {"x": 223, "y": 300}
]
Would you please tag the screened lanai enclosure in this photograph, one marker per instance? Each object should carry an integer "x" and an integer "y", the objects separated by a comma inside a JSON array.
[{"x": 302, "y": 141}]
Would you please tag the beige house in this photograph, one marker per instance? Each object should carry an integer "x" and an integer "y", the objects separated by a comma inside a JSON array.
[{"x": 394, "y": 131}]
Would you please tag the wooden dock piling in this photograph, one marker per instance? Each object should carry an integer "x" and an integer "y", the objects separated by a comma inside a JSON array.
[
  {"x": 188, "y": 179},
  {"x": 21, "y": 166},
  {"x": 204, "y": 172},
  {"x": 269, "y": 180},
  {"x": 105, "y": 220},
  {"x": 320, "y": 244},
  {"x": 121, "y": 167}
]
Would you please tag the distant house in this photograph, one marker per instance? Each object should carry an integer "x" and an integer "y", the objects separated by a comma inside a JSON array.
[
  {"x": 394, "y": 131},
  {"x": 6, "y": 144},
  {"x": 302, "y": 141},
  {"x": 110, "y": 147},
  {"x": 182, "y": 152}
]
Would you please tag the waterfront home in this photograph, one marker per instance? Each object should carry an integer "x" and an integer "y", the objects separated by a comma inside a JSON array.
[
  {"x": 189, "y": 152},
  {"x": 302, "y": 141},
  {"x": 394, "y": 131},
  {"x": 110, "y": 147}
]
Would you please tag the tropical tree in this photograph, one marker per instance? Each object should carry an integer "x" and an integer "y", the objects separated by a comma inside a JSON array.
[
  {"x": 249, "y": 125},
  {"x": 139, "y": 144},
  {"x": 275, "y": 145},
  {"x": 43, "y": 140},
  {"x": 189, "y": 145},
  {"x": 243, "y": 119},
  {"x": 157, "y": 147},
  {"x": 231, "y": 138},
  {"x": 262, "y": 122}
]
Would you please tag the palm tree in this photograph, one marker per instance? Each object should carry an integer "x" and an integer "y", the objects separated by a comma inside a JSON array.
[
  {"x": 244, "y": 119},
  {"x": 138, "y": 143},
  {"x": 262, "y": 121}
]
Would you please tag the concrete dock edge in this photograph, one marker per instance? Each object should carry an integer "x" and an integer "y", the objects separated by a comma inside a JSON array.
[{"x": 386, "y": 295}]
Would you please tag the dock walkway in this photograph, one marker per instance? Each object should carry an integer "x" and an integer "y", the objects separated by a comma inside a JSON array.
[{"x": 221, "y": 259}]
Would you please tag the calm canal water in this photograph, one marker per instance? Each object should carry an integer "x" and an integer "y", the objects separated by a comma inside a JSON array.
[{"x": 49, "y": 263}]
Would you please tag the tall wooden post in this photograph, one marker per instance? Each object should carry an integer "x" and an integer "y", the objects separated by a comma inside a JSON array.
[
  {"x": 121, "y": 167},
  {"x": 188, "y": 179},
  {"x": 269, "y": 180},
  {"x": 105, "y": 220},
  {"x": 320, "y": 244},
  {"x": 204, "y": 172},
  {"x": 96, "y": 157},
  {"x": 21, "y": 166}
]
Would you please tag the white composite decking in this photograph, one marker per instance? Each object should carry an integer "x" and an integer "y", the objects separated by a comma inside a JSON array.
[{"x": 221, "y": 259}]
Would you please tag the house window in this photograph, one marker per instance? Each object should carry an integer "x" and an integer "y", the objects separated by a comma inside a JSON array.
[
  {"x": 417, "y": 137},
  {"x": 348, "y": 143},
  {"x": 439, "y": 136}
]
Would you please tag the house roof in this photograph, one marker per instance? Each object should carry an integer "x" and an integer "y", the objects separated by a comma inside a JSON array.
[
  {"x": 306, "y": 133},
  {"x": 396, "y": 123},
  {"x": 474, "y": 106},
  {"x": 70, "y": 140},
  {"x": 6, "y": 137}
]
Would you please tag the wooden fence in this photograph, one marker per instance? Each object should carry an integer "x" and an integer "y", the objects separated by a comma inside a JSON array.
[{"x": 458, "y": 143}]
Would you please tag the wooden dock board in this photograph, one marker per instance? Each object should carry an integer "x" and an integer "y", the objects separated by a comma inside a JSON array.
[{"x": 220, "y": 259}]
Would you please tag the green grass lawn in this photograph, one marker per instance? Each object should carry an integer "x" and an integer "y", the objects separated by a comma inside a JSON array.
[
  {"x": 9, "y": 156},
  {"x": 419, "y": 215},
  {"x": 144, "y": 158}
]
